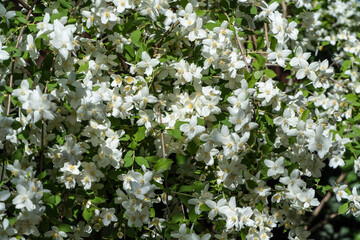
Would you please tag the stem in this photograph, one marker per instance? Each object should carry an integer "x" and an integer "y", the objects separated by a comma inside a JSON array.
[
  {"x": 266, "y": 35},
  {"x": 74, "y": 8},
  {"x": 12, "y": 79},
  {"x": 237, "y": 38},
  {"x": 43, "y": 123},
  {"x": 22, "y": 3},
  {"x": 323, "y": 202},
  {"x": 323, "y": 222},
  {"x": 158, "y": 44},
  {"x": 283, "y": 4}
]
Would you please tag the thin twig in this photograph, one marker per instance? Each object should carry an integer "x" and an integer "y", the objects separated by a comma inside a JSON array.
[
  {"x": 323, "y": 202},
  {"x": 42, "y": 143},
  {"x": 12, "y": 79},
  {"x": 158, "y": 44},
  {"x": 323, "y": 222},
  {"x": 237, "y": 39},
  {"x": 22, "y": 3},
  {"x": 74, "y": 8},
  {"x": 266, "y": 35},
  {"x": 283, "y": 4}
]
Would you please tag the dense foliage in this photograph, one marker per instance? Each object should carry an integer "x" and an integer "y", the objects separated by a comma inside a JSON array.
[{"x": 166, "y": 119}]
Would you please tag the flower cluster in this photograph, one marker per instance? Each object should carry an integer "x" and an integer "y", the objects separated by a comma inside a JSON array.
[{"x": 176, "y": 119}]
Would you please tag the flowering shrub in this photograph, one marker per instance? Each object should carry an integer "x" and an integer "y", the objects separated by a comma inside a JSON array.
[{"x": 181, "y": 119}]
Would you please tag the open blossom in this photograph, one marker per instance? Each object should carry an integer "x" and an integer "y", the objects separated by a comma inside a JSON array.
[
  {"x": 279, "y": 55},
  {"x": 24, "y": 198},
  {"x": 108, "y": 216},
  {"x": 308, "y": 198},
  {"x": 319, "y": 142},
  {"x": 146, "y": 65},
  {"x": 62, "y": 38},
  {"x": 192, "y": 129},
  {"x": 276, "y": 167}
]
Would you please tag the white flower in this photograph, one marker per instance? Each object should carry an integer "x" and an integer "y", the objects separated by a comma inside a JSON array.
[
  {"x": 300, "y": 59},
  {"x": 319, "y": 143},
  {"x": 308, "y": 71},
  {"x": 147, "y": 63},
  {"x": 181, "y": 233},
  {"x": 307, "y": 197},
  {"x": 280, "y": 55},
  {"x": 55, "y": 233},
  {"x": 287, "y": 120},
  {"x": 276, "y": 167},
  {"x": 30, "y": 46},
  {"x": 24, "y": 198},
  {"x": 340, "y": 192},
  {"x": 62, "y": 38},
  {"x": 192, "y": 129},
  {"x": 215, "y": 207},
  {"x": 4, "y": 55},
  {"x": 108, "y": 216}
]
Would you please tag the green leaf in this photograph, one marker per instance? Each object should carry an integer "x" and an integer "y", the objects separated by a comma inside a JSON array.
[
  {"x": 269, "y": 120},
  {"x": 133, "y": 145},
  {"x": 84, "y": 67},
  {"x": 65, "y": 4},
  {"x": 128, "y": 159},
  {"x": 136, "y": 38},
  {"x": 142, "y": 161},
  {"x": 140, "y": 134},
  {"x": 258, "y": 74},
  {"x": 129, "y": 52},
  {"x": 273, "y": 43},
  {"x": 260, "y": 42},
  {"x": 51, "y": 85},
  {"x": 192, "y": 148},
  {"x": 57, "y": 199},
  {"x": 238, "y": 21},
  {"x": 270, "y": 73},
  {"x": 305, "y": 115},
  {"x": 163, "y": 164},
  {"x": 343, "y": 208},
  {"x": 125, "y": 138},
  {"x": 42, "y": 175},
  {"x": 176, "y": 133},
  {"x": 204, "y": 208},
  {"x": 177, "y": 218},
  {"x": 260, "y": 58},
  {"x": 268, "y": 140},
  {"x": 324, "y": 189},
  {"x": 351, "y": 97},
  {"x": 345, "y": 65},
  {"x": 192, "y": 215},
  {"x": 22, "y": 20},
  {"x": 187, "y": 188},
  {"x": 253, "y": 10},
  {"x": 98, "y": 200},
  {"x": 65, "y": 228},
  {"x": 16, "y": 125},
  {"x": 87, "y": 214},
  {"x": 200, "y": 13},
  {"x": 211, "y": 25}
]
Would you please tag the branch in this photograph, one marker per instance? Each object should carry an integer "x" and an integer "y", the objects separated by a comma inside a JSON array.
[
  {"x": 237, "y": 38},
  {"x": 323, "y": 222},
  {"x": 283, "y": 4},
  {"x": 158, "y": 44},
  {"x": 74, "y": 8},
  {"x": 12, "y": 77},
  {"x": 22, "y": 3},
  {"x": 266, "y": 35},
  {"x": 323, "y": 202}
]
